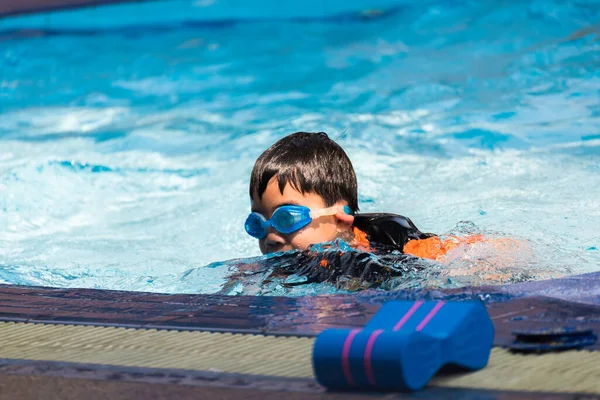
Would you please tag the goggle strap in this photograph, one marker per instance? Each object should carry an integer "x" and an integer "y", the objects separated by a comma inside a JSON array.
[{"x": 330, "y": 211}]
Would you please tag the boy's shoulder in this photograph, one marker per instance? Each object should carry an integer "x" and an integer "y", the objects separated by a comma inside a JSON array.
[{"x": 388, "y": 229}]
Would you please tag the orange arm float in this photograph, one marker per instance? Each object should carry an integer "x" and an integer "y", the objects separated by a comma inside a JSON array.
[{"x": 435, "y": 248}]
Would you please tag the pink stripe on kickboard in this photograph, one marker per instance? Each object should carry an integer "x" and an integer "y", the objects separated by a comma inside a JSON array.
[
  {"x": 408, "y": 314},
  {"x": 429, "y": 316},
  {"x": 346, "y": 356},
  {"x": 367, "y": 357}
]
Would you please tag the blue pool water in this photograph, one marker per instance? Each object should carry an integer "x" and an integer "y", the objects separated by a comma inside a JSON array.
[{"x": 125, "y": 153}]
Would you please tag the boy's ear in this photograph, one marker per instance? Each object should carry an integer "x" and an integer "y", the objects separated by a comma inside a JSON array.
[{"x": 344, "y": 220}]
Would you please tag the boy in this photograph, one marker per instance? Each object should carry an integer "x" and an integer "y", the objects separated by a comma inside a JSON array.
[{"x": 303, "y": 192}]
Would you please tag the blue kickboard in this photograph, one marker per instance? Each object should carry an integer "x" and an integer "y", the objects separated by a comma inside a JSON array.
[{"x": 404, "y": 346}]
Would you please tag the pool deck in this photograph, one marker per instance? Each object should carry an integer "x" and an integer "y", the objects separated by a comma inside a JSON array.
[
  {"x": 17, "y": 7},
  {"x": 61, "y": 342}
]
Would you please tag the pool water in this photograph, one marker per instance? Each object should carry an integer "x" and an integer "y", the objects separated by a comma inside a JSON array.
[{"x": 125, "y": 154}]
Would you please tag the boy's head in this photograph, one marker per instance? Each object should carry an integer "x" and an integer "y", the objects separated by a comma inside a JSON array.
[{"x": 310, "y": 170}]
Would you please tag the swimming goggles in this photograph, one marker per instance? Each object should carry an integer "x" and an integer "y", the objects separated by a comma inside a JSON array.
[{"x": 288, "y": 219}]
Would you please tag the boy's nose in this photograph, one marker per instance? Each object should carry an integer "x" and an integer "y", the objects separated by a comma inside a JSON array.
[{"x": 274, "y": 242}]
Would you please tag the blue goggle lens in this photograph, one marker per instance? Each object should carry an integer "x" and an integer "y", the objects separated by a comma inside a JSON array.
[
  {"x": 256, "y": 226},
  {"x": 284, "y": 219}
]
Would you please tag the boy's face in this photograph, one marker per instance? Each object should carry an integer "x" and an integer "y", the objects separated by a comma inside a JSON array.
[{"x": 323, "y": 229}]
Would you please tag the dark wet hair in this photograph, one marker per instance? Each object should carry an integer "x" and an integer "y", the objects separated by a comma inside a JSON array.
[{"x": 310, "y": 163}]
